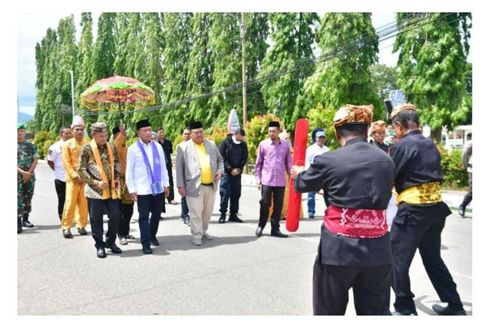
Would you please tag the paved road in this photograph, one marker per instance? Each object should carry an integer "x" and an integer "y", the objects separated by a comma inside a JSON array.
[{"x": 235, "y": 274}]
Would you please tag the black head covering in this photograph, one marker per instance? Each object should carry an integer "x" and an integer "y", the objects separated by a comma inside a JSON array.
[
  {"x": 115, "y": 130},
  {"x": 195, "y": 125},
  {"x": 274, "y": 124},
  {"x": 142, "y": 124}
]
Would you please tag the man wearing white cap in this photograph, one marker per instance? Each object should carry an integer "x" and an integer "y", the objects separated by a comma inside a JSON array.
[
  {"x": 75, "y": 201},
  {"x": 312, "y": 151}
]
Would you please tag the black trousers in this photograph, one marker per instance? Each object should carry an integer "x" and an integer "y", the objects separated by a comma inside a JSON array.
[
  {"x": 61, "y": 192},
  {"x": 265, "y": 203},
  {"x": 230, "y": 190},
  {"x": 96, "y": 209},
  {"x": 370, "y": 284},
  {"x": 406, "y": 237},
  {"x": 126, "y": 214},
  {"x": 171, "y": 194},
  {"x": 149, "y": 225},
  {"x": 469, "y": 195}
]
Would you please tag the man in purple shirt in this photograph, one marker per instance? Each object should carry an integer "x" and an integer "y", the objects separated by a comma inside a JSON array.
[{"x": 273, "y": 162}]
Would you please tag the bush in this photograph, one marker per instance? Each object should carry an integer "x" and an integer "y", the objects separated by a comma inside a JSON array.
[
  {"x": 257, "y": 130},
  {"x": 43, "y": 140},
  {"x": 455, "y": 176},
  {"x": 217, "y": 135}
]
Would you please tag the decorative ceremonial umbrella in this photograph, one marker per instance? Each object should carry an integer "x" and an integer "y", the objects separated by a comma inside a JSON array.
[{"x": 117, "y": 93}]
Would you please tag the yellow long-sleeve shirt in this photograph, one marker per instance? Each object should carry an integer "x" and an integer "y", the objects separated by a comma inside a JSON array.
[
  {"x": 122, "y": 152},
  {"x": 70, "y": 152}
]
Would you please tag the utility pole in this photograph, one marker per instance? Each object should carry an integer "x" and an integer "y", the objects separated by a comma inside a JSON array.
[
  {"x": 244, "y": 75},
  {"x": 244, "y": 69},
  {"x": 72, "y": 95}
]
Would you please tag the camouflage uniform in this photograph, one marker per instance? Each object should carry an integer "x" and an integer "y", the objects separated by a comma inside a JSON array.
[{"x": 26, "y": 154}]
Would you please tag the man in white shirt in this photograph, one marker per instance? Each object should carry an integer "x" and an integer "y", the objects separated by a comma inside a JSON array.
[
  {"x": 312, "y": 151},
  {"x": 55, "y": 162},
  {"x": 147, "y": 182}
]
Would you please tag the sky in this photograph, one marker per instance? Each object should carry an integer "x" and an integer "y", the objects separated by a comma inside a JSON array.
[{"x": 32, "y": 28}]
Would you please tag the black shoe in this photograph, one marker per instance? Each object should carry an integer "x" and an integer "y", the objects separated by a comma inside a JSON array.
[
  {"x": 278, "y": 234},
  {"x": 440, "y": 310},
  {"x": 222, "y": 218},
  {"x": 82, "y": 231},
  {"x": 461, "y": 210},
  {"x": 234, "y": 218},
  {"x": 147, "y": 250},
  {"x": 155, "y": 242},
  {"x": 27, "y": 224},
  {"x": 101, "y": 253},
  {"x": 67, "y": 234},
  {"x": 113, "y": 248},
  {"x": 404, "y": 313},
  {"x": 259, "y": 230},
  {"x": 19, "y": 230}
]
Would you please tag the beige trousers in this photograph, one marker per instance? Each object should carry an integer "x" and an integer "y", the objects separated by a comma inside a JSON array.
[{"x": 200, "y": 210}]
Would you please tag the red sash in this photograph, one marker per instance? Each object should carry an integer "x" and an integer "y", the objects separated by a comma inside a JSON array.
[{"x": 356, "y": 223}]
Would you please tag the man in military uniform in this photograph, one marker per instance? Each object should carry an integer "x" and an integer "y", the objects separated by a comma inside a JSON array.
[
  {"x": 421, "y": 215},
  {"x": 27, "y": 157},
  {"x": 354, "y": 248}
]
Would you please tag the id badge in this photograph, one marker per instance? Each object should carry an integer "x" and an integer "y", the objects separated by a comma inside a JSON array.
[{"x": 156, "y": 188}]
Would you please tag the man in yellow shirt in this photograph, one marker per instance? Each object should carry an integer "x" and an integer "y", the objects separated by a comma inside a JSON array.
[
  {"x": 199, "y": 167},
  {"x": 75, "y": 202}
]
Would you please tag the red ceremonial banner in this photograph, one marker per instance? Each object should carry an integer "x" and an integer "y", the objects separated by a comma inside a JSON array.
[{"x": 299, "y": 154}]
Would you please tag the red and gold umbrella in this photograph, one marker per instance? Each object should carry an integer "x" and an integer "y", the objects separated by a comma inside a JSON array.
[{"x": 117, "y": 93}]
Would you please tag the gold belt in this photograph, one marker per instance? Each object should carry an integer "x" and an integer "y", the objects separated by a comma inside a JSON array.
[{"x": 426, "y": 193}]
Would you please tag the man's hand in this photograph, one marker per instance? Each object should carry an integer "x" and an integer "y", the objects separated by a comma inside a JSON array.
[
  {"x": 167, "y": 192},
  {"x": 218, "y": 176},
  {"x": 103, "y": 185},
  {"x": 235, "y": 172},
  {"x": 134, "y": 196},
  {"x": 78, "y": 180},
  {"x": 295, "y": 170},
  {"x": 26, "y": 176},
  {"x": 181, "y": 191},
  {"x": 259, "y": 185},
  {"x": 122, "y": 130}
]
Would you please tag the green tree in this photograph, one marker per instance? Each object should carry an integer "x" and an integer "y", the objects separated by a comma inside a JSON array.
[
  {"x": 177, "y": 32},
  {"x": 200, "y": 69},
  {"x": 224, "y": 42},
  {"x": 123, "y": 38},
  {"x": 66, "y": 61},
  {"x": 290, "y": 59},
  {"x": 84, "y": 71},
  {"x": 384, "y": 79},
  {"x": 349, "y": 47},
  {"x": 257, "y": 31},
  {"x": 105, "y": 46},
  {"x": 432, "y": 65}
]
